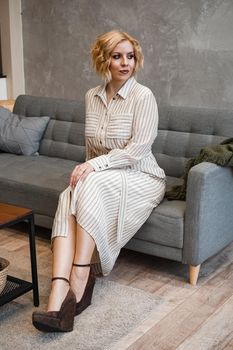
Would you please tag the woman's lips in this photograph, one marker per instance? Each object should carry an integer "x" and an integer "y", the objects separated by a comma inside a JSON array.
[{"x": 124, "y": 71}]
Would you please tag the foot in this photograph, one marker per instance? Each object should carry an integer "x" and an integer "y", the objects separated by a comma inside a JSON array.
[
  {"x": 58, "y": 293},
  {"x": 57, "y": 321},
  {"x": 78, "y": 280}
]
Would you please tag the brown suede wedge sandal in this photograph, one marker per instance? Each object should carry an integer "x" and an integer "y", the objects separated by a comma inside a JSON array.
[
  {"x": 57, "y": 321},
  {"x": 88, "y": 291}
]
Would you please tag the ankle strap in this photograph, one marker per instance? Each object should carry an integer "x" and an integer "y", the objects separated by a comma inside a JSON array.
[
  {"x": 81, "y": 265},
  {"x": 60, "y": 278}
]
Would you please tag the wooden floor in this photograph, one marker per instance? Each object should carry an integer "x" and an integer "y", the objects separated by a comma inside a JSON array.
[{"x": 199, "y": 317}]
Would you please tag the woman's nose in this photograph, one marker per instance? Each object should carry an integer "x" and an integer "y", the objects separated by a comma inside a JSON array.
[{"x": 124, "y": 61}]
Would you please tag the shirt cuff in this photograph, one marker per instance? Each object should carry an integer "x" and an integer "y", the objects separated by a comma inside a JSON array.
[{"x": 99, "y": 163}]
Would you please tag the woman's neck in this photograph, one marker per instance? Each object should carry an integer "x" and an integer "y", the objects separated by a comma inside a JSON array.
[{"x": 112, "y": 88}]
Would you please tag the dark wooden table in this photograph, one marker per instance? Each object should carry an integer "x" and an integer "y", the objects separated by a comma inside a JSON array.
[{"x": 11, "y": 215}]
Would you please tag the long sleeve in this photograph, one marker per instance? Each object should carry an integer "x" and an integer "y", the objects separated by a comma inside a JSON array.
[{"x": 144, "y": 131}]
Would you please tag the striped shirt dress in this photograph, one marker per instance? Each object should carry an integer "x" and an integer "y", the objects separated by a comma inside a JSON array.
[{"x": 113, "y": 202}]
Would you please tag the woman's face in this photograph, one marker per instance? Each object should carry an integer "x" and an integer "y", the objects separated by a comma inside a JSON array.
[{"x": 122, "y": 62}]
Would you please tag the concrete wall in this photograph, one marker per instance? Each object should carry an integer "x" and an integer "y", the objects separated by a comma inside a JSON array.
[
  {"x": 12, "y": 47},
  {"x": 188, "y": 46},
  {"x": 6, "y": 47},
  {"x": 1, "y": 73}
]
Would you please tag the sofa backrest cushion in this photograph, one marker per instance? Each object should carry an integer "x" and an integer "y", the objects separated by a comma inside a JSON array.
[
  {"x": 183, "y": 131},
  {"x": 64, "y": 136}
]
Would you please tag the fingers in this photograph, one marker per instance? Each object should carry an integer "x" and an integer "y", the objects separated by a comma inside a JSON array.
[
  {"x": 79, "y": 173},
  {"x": 76, "y": 175}
]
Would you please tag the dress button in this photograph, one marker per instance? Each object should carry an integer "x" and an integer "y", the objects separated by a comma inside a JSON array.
[
  {"x": 101, "y": 142},
  {"x": 99, "y": 167}
]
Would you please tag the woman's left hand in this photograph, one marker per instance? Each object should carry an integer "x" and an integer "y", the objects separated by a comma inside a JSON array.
[{"x": 80, "y": 172}]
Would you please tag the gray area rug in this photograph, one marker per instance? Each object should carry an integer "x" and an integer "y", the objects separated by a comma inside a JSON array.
[{"x": 116, "y": 310}]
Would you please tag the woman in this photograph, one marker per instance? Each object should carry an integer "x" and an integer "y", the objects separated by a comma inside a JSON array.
[{"x": 113, "y": 193}]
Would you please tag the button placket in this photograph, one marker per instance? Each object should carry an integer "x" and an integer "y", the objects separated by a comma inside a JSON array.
[
  {"x": 104, "y": 124},
  {"x": 100, "y": 131}
]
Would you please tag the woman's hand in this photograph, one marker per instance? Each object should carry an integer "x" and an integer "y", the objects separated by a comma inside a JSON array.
[{"x": 80, "y": 172}]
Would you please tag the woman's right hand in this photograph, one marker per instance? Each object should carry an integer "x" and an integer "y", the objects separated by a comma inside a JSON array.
[{"x": 79, "y": 173}]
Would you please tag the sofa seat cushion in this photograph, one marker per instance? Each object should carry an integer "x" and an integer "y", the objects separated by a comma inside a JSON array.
[
  {"x": 165, "y": 226},
  {"x": 33, "y": 181}
]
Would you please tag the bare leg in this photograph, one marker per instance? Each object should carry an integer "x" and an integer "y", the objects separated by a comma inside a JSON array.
[
  {"x": 63, "y": 255},
  {"x": 85, "y": 246}
]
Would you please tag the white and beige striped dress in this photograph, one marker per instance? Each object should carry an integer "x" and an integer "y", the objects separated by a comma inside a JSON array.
[{"x": 113, "y": 202}]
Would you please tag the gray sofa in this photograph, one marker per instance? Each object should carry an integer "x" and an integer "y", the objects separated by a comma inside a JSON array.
[{"x": 187, "y": 231}]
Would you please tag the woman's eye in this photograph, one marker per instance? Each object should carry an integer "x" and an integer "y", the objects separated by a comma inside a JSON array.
[
  {"x": 116, "y": 57},
  {"x": 130, "y": 57}
]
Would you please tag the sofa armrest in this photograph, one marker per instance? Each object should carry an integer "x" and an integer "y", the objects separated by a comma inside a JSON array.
[{"x": 209, "y": 212}]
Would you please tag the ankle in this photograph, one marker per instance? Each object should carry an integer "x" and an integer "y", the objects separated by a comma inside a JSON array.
[
  {"x": 78, "y": 281},
  {"x": 60, "y": 282},
  {"x": 57, "y": 295},
  {"x": 59, "y": 286}
]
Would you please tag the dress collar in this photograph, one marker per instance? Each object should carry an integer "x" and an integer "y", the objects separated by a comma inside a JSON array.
[{"x": 123, "y": 92}]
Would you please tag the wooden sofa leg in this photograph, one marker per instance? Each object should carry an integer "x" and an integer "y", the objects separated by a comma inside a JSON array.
[{"x": 193, "y": 274}]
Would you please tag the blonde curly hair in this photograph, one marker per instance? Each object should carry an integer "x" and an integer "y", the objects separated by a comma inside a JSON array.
[{"x": 104, "y": 45}]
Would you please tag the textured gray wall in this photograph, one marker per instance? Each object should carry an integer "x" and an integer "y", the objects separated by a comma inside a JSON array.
[{"x": 188, "y": 46}]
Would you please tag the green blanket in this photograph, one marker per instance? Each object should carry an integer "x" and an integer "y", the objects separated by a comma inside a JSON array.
[{"x": 221, "y": 154}]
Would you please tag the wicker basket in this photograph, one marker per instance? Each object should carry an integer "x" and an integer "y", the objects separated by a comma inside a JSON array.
[{"x": 4, "y": 264}]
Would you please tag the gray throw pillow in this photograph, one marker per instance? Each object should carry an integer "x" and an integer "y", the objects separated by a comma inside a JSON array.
[{"x": 19, "y": 134}]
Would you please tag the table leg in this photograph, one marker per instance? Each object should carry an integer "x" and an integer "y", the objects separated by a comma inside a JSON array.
[{"x": 33, "y": 260}]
